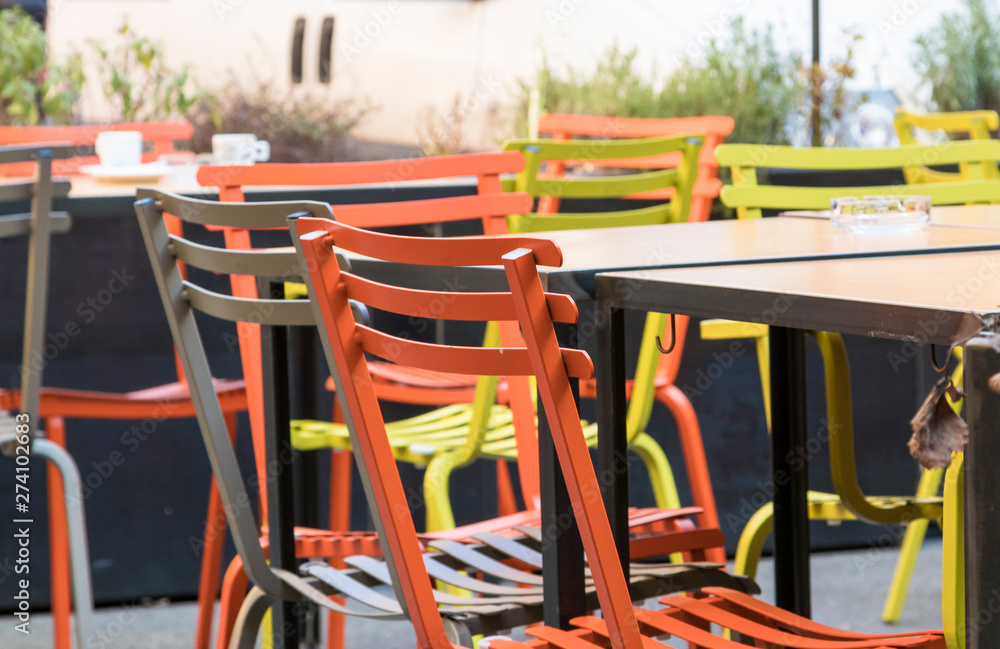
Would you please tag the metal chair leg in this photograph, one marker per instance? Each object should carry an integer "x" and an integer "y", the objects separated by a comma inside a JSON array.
[
  {"x": 83, "y": 599},
  {"x": 256, "y": 604},
  {"x": 751, "y": 542},
  {"x": 953, "y": 596},
  {"x": 930, "y": 482}
]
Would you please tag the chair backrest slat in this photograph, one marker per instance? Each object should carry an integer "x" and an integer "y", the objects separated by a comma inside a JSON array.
[
  {"x": 211, "y": 213},
  {"x": 423, "y": 251},
  {"x": 21, "y": 191},
  {"x": 750, "y": 198},
  {"x": 356, "y": 173},
  {"x": 491, "y": 361},
  {"x": 821, "y": 159},
  {"x": 434, "y": 210},
  {"x": 275, "y": 262},
  {"x": 490, "y": 204},
  {"x": 16, "y": 225},
  {"x": 450, "y": 305},
  {"x": 285, "y": 313},
  {"x": 779, "y": 197},
  {"x": 606, "y": 187},
  {"x": 952, "y": 122}
]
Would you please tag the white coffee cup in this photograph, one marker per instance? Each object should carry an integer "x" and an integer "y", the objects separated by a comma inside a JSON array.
[
  {"x": 119, "y": 148},
  {"x": 239, "y": 149}
]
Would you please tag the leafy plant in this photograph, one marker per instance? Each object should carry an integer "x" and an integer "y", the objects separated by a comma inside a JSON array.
[
  {"x": 960, "y": 58},
  {"x": 299, "y": 127},
  {"x": 742, "y": 74},
  {"x": 34, "y": 88},
  {"x": 738, "y": 72},
  {"x": 615, "y": 88},
  {"x": 137, "y": 83}
]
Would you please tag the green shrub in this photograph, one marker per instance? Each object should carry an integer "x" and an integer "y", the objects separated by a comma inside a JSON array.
[
  {"x": 34, "y": 88},
  {"x": 743, "y": 75},
  {"x": 614, "y": 88},
  {"x": 739, "y": 73},
  {"x": 960, "y": 58},
  {"x": 139, "y": 86}
]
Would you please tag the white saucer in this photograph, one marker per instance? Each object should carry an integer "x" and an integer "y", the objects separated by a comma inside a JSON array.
[{"x": 132, "y": 173}]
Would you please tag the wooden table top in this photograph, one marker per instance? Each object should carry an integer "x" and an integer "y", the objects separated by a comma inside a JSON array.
[
  {"x": 940, "y": 298},
  {"x": 587, "y": 252},
  {"x": 970, "y": 216}
]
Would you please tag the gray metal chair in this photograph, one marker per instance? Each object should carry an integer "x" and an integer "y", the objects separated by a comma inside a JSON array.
[
  {"x": 19, "y": 433},
  {"x": 507, "y": 598}
]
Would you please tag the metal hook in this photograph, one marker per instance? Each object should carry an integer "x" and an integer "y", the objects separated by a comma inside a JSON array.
[
  {"x": 673, "y": 337},
  {"x": 947, "y": 359}
]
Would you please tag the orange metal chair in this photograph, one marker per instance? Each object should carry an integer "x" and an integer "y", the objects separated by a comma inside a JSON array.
[
  {"x": 654, "y": 532},
  {"x": 170, "y": 401},
  {"x": 394, "y": 383},
  {"x": 714, "y": 129},
  {"x": 162, "y": 135},
  {"x": 622, "y": 625}
]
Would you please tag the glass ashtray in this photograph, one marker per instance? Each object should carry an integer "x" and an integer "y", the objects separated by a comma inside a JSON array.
[{"x": 881, "y": 215}]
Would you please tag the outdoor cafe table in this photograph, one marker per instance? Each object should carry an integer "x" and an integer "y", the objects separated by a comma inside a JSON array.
[
  {"x": 940, "y": 299},
  {"x": 589, "y": 252}
]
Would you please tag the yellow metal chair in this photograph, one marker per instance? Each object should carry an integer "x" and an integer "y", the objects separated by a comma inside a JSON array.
[
  {"x": 849, "y": 502},
  {"x": 973, "y": 125}
]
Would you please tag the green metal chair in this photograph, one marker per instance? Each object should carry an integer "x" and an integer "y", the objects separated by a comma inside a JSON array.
[
  {"x": 655, "y": 373},
  {"x": 848, "y": 502},
  {"x": 973, "y": 124}
]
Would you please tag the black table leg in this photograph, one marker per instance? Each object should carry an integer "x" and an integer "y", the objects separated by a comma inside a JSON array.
[
  {"x": 789, "y": 470},
  {"x": 303, "y": 393},
  {"x": 982, "y": 475},
  {"x": 280, "y": 487},
  {"x": 562, "y": 549},
  {"x": 612, "y": 436},
  {"x": 304, "y": 406}
]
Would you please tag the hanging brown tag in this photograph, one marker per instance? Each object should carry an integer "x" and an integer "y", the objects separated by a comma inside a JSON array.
[{"x": 937, "y": 429}]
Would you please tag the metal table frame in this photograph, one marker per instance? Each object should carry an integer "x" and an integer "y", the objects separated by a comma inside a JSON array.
[{"x": 788, "y": 404}]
